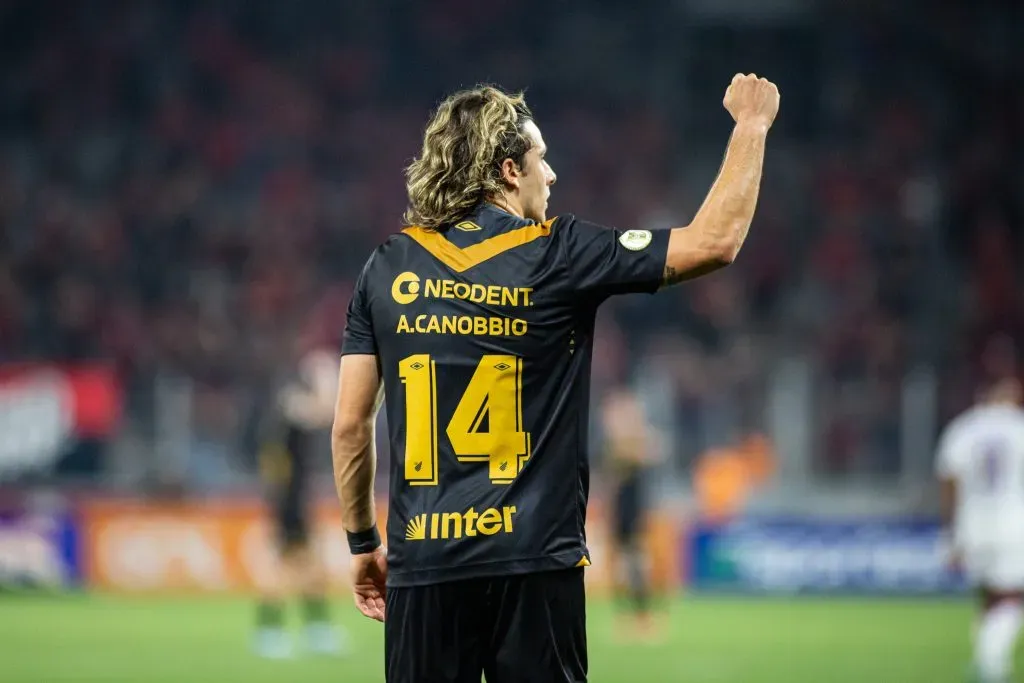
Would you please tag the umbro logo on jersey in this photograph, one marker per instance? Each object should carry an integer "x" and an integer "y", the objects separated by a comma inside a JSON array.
[{"x": 467, "y": 226}]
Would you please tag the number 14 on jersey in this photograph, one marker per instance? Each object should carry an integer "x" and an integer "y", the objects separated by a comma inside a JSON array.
[{"x": 487, "y": 425}]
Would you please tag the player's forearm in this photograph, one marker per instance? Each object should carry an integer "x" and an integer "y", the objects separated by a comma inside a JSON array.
[
  {"x": 728, "y": 209},
  {"x": 717, "y": 232},
  {"x": 355, "y": 465}
]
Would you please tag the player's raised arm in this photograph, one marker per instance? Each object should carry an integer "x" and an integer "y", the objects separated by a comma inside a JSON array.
[{"x": 717, "y": 232}]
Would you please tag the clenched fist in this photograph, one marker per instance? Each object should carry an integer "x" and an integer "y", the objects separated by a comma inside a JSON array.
[{"x": 749, "y": 98}]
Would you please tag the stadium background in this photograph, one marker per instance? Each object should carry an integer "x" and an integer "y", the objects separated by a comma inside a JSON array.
[{"x": 187, "y": 187}]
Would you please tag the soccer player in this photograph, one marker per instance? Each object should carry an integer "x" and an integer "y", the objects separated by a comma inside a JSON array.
[
  {"x": 631, "y": 447},
  {"x": 305, "y": 408},
  {"x": 980, "y": 466},
  {"x": 476, "y": 323}
]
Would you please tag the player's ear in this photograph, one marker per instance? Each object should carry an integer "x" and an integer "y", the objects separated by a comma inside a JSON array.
[{"x": 510, "y": 173}]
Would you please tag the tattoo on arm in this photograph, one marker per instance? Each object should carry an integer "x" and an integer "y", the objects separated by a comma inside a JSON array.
[{"x": 671, "y": 277}]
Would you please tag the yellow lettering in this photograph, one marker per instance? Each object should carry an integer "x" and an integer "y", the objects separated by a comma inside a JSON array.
[
  {"x": 446, "y": 520},
  {"x": 470, "y": 516},
  {"x": 492, "y": 295},
  {"x": 508, "y": 511},
  {"x": 455, "y": 525},
  {"x": 489, "y": 522},
  {"x": 493, "y": 326}
]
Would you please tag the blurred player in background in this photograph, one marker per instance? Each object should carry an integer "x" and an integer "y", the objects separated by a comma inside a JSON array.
[
  {"x": 980, "y": 465},
  {"x": 632, "y": 448},
  {"x": 305, "y": 407},
  {"x": 478, "y": 319}
]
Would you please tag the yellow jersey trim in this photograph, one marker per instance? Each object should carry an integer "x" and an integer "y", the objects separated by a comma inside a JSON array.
[{"x": 460, "y": 260}]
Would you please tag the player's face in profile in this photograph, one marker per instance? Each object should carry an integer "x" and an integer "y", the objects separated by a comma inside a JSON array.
[{"x": 537, "y": 177}]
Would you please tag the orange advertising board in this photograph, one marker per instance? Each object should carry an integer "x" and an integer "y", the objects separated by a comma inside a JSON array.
[
  {"x": 228, "y": 546},
  {"x": 194, "y": 546}
]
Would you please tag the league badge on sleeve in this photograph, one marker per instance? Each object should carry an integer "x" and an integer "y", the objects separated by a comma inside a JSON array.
[{"x": 635, "y": 240}]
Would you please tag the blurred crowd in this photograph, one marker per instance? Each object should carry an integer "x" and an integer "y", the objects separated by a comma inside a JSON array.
[{"x": 189, "y": 189}]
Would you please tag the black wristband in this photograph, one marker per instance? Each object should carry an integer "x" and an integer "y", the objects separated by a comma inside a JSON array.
[{"x": 362, "y": 542}]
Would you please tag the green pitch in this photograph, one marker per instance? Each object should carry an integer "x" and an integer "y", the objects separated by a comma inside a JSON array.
[{"x": 118, "y": 640}]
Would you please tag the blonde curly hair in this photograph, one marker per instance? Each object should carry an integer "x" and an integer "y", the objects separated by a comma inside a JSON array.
[{"x": 470, "y": 135}]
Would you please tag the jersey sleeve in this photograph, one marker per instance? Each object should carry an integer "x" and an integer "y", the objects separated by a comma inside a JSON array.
[
  {"x": 606, "y": 261},
  {"x": 358, "y": 337}
]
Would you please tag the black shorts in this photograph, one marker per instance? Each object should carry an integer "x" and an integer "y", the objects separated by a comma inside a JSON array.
[
  {"x": 284, "y": 466},
  {"x": 629, "y": 514},
  {"x": 627, "y": 530},
  {"x": 292, "y": 527},
  {"x": 290, "y": 517},
  {"x": 529, "y": 628}
]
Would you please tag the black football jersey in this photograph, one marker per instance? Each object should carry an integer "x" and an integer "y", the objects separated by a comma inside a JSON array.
[{"x": 483, "y": 335}]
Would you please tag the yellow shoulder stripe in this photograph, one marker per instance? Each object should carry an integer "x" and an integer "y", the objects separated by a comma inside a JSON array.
[{"x": 461, "y": 260}]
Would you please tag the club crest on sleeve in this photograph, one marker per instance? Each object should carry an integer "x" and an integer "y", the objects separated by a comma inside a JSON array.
[{"x": 635, "y": 240}]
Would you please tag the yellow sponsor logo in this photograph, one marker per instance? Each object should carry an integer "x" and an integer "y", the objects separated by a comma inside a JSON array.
[
  {"x": 455, "y": 525},
  {"x": 467, "y": 226},
  {"x": 407, "y": 287}
]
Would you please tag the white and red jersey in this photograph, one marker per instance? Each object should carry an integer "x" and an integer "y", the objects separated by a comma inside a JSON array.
[{"x": 982, "y": 450}]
